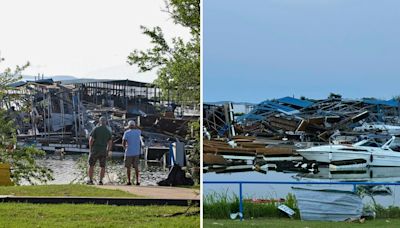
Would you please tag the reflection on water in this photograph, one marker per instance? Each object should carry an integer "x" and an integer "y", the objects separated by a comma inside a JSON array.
[
  {"x": 365, "y": 174},
  {"x": 66, "y": 170}
]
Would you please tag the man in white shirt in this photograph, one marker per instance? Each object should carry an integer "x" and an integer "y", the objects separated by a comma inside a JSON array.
[{"x": 131, "y": 141}]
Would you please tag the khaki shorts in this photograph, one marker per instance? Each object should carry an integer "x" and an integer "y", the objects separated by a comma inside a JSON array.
[
  {"x": 132, "y": 161},
  {"x": 94, "y": 157}
]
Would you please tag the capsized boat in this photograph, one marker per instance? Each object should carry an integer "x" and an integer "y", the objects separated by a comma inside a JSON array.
[
  {"x": 328, "y": 204},
  {"x": 371, "y": 151}
]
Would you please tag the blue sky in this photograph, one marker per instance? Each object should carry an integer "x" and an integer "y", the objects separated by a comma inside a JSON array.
[{"x": 260, "y": 49}]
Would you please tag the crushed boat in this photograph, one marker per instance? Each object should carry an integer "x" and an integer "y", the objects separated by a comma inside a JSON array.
[{"x": 369, "y": 151}]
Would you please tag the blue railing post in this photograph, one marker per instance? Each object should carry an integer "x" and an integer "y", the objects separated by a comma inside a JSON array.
[
  {"x": 240, "y": 202},
  {"x": 354, "y": 188}
]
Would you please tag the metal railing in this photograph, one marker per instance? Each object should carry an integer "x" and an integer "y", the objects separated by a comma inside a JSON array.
[{"x": 241, "y": 183}]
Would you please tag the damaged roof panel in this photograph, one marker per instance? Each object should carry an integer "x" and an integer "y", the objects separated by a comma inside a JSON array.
[
  {"x": 390, "y": 103},
  {"x": 109, "y": 81},
  {"x": 295, "y": 102},
  {"x": 276, "y": 106}
]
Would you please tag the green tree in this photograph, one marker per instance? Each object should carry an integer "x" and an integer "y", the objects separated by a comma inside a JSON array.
[
  {"x": 178, "y": 63},
  {"x": 21, "y": 159}
]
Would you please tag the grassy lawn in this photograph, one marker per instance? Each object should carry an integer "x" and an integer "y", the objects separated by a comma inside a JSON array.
[
  {"x": 298, "y": 223},
  {"x": 62, "y": 190},
  {"x": 88, "y": 215}
]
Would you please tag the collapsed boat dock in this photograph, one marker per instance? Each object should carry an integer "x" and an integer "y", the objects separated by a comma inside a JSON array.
[{"x": 58, "y": 116}]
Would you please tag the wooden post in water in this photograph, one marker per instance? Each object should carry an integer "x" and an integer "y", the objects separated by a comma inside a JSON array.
[
  {"x": 125, "y": 95},
  {"x": 44, "y": 114},
  {"x": 74, "y": 116},
  {"x": 63, "y": 120},
  {"x": 49, "y": 113},
  {"x": 79, "y": 118}
]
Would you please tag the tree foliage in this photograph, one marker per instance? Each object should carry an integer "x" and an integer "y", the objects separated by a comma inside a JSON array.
[
  {"x": 185, "y": 13},
  {"x": 21, "y": 159},
  {"x": 178, "y": 63}
]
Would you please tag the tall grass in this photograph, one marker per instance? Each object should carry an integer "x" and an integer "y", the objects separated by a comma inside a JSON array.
[
  {"x": 221, "y": 205},
  {"x": 389, "y": 212}
]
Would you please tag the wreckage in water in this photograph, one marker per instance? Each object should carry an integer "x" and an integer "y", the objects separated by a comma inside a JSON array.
[{"x": 58, "y": 115}]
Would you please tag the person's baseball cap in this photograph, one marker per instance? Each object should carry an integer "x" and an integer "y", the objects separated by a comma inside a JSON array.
[{"x": 131, "y": 123}]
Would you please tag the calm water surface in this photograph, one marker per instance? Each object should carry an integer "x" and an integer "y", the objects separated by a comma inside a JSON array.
[{"x": 66, "y": 170}]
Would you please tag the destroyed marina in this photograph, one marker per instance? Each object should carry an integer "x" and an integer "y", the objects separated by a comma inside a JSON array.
[
  {"x": 58, "y": 116},
  {"x": 324, "y": 148},
  {"x": 335, "y": 131}
]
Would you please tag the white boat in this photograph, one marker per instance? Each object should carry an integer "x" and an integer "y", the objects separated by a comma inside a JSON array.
[{"x": 368, "y": 151}]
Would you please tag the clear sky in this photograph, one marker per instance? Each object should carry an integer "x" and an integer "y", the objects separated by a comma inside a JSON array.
[
  {"x": 84, "y": 38},
  {"x": 260, "y": 49}
]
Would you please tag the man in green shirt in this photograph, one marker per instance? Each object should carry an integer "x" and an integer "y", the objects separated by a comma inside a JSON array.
[{"x": 100, "y": 143}]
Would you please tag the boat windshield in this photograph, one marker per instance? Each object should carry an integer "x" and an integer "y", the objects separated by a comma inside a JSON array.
[
  {"x": 395, "y": 145},
  {"x": 373, "y": 142}
]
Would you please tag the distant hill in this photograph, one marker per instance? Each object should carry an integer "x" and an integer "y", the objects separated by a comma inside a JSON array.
[{"x": 55, "y": 78}]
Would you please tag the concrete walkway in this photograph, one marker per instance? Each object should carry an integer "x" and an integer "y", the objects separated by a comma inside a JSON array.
[{"x": 157, "y": 192}]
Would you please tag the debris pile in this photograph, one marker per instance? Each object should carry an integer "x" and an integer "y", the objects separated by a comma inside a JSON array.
[
  {"x": 308, "y": 120},
  {"x": 53, "y": 115},
  {"x": 272, "y": 131}
]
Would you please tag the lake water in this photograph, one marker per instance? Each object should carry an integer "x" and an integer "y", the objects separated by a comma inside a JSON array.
[
  {"x": 280, "y": 191},
  {"x": 66, "y": 170}
]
